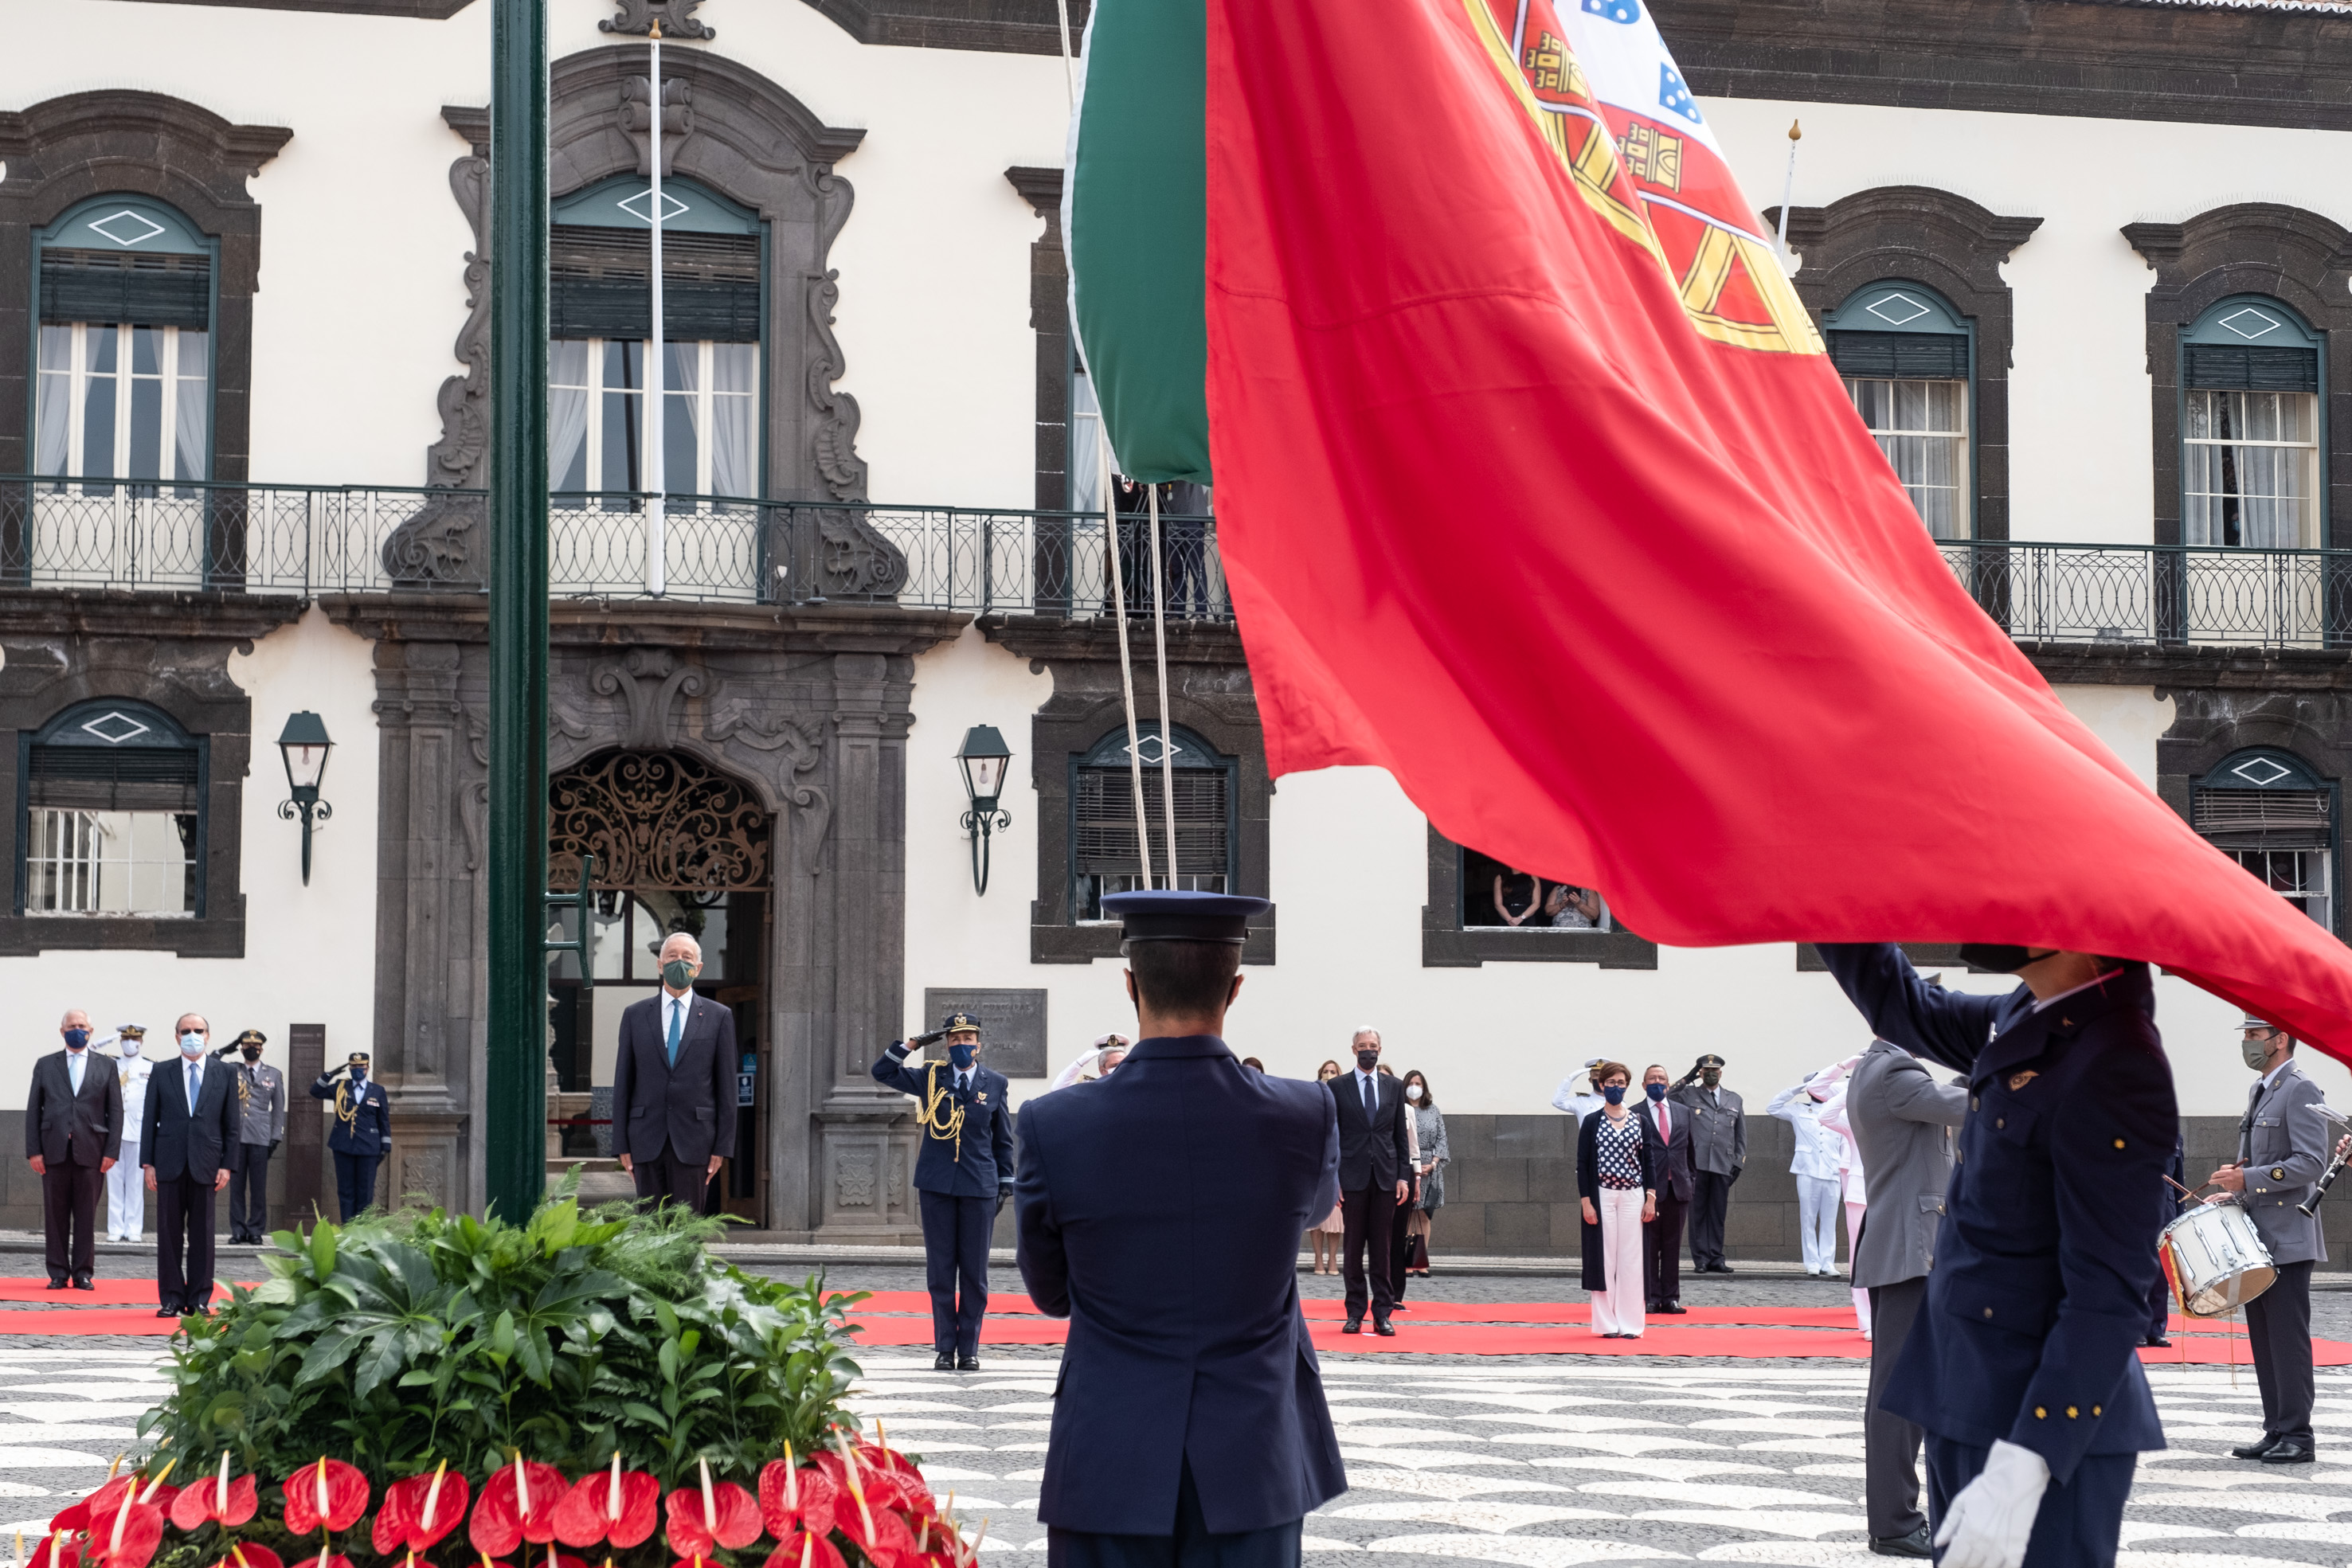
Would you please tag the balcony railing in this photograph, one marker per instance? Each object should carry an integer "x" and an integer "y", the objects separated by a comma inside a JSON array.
[{"x": 305, "y": 540}]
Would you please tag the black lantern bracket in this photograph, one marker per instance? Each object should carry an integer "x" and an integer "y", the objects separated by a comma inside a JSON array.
[
  {"x": 303, "y": 746},
  {"x": 984, "y": 759}
]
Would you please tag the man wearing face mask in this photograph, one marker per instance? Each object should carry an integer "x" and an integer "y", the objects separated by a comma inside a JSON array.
[
  {"x": 2283, "y": 1145},
  {"x": 1375, "y": 1177},
  {"x": 1662, "y": 1234},
  {"x": 1718, "y": 1153},
  {"x": 963, "y": 1177},
  {"x": 191, "y": 1125},
  {"x": 674, "y": 1083},
  {"x": 126, "y": 1190},
  {"x": 2022, "y": 1366},
  {"x": 73, "y": 1134},
  {"x": 261, "y": 1128},
  {"x": 361, "y": 1134}
]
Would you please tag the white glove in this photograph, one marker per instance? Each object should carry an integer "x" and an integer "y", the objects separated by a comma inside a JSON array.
[{"x": 1989, "y": 1522}]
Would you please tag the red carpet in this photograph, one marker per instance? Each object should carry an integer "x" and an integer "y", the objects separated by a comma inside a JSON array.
[{"x": 102, "y": 1293}]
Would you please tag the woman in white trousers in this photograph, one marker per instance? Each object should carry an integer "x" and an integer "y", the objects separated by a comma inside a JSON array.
[{"x": 1617, "y": 1163}]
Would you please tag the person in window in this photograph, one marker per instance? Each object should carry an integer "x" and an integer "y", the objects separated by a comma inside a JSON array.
[
  {"x": 1574, "y": 908},
  {"x": 1429, "y": 1129},
  {"x": 1517, "y": 896},
  {"x": 1334, "y": 1225},
  {"x": 1617, "y": 1171}
]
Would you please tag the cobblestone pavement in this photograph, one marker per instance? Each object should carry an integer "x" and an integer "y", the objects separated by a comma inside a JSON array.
[{"x": 1530, "y": 1461}]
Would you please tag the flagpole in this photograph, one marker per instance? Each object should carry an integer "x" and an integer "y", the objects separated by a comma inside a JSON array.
[
  {"x": 1789, "y": 186},
  {"x": 1167, "y": 722},
  {"x": 656, "y": 474},
  {"x": 1126, "y": 664}
]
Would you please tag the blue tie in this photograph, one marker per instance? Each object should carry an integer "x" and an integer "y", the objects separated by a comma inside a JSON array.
[
  {"x": 73, "y": 1069},
  {"x": 676, "y": 1011}
]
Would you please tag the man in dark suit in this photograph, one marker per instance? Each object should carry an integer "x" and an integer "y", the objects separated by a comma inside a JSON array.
[
  {"x": 73, "y": 1134},
  {"x": 1375, "y": 1175},
  {"x": 1662, "y": 1237},
  {"x": 963, "y": 1176},
  {"x": 2023, "y": 1364},
  {"x": 1189, "y": 1420},
  {"x": 189, "y": 1125},
  {"x": 674, "y": 1083}
]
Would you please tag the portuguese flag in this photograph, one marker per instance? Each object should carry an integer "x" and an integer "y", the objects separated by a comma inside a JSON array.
[{"x": 1534, "y": 487}]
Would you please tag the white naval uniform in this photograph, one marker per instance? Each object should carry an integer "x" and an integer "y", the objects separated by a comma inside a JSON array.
[{"x": 126, "y": 1186}]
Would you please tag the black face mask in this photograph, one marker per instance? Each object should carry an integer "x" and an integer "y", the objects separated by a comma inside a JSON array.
[
  {"x": 1368, "y": 1059},
  {"x": 2000, "y": 957}
]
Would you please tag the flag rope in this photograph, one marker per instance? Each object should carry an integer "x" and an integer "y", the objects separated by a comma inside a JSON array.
[
  {"x": 1126, "y": 667},
  {"x": 1160, "y": 649}
]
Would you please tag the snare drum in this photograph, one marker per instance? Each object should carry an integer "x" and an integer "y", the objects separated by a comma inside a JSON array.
[{"x": 2215, "y": 1259}]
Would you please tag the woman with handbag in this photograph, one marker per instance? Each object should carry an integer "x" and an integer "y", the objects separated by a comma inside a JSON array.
[{"x": 1429, "y": 1130}]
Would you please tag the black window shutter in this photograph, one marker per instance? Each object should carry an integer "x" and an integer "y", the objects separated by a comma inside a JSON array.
[
  {"x": 132, "y": 779},
  {"x": 599, "y": 276},
  {"x": 2231, "y": 367},
  {"x": 1907, "y": 356},
  {"x": 144, "y": 290}
]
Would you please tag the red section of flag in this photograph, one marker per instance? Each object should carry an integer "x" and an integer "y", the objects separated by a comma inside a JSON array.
[{"x": 1611, "y": 600}]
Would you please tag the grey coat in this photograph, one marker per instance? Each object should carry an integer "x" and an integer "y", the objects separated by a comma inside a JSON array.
[
  {"x": 1718, "y": 1130},
  {"x": 1429, "y": 1128},
  {"x": 1902, "y": 1119},
  {"x": 2284, "y": 1144}
]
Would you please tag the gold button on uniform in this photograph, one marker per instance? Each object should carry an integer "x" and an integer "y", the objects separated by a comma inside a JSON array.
[
  {"x": 1974, "y": 1101},
  {"x": 2000, "y": 1121},
  {"x": 2094, "y": 1410},
  {"x": 2071, "y": 1412},
  {"x": 2040, "y": 1414},
  {"x": 1988, "y": 1312},
  {"x": 2278, "y": 1175},
  {"x": 2119, "y": 1143}
]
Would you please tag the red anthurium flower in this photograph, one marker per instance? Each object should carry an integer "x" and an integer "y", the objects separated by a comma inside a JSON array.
[
  {"x": 57, "y": 1551},
  {"x": 134, "y": 1484},
  {"x": 859, "y": 1477},
  {"x": 325, "y": 1494},
  {"x": 613, "y": 1505},
  {"x": 245, "y": 1554},
  {"x": 221, "y": 1499},
  {"x": 324, "y": 1560},
  {"x": 125, "y": 1537},
  {"x": 711, "y": 1515},
  {"x": 803, "y": 1549},
  {"x": 418, "y": 1512},
  {"x": 794, "y": 1497},
  {"x": 879, "y": 1533},
  {"x": 517, "y": 1504}
]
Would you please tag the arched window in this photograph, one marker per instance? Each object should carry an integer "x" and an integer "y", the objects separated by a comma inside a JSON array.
[
  {"x": 2250, "y": 427},
  {"x": 1103, "y": 854},
  {"x": 600, "y": 318},
  {"x": 113, "y": 814},
  {"x": 2269, "y": 812},
  {"x": 1909, "y": 358},
  {"x": 125, "y": 359}
]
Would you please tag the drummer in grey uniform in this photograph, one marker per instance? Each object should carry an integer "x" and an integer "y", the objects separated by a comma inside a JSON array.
[{"x": 2282, "y": 1149}]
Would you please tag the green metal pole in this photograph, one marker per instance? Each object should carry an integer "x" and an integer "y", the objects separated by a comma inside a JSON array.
[{"x": 516, "y": 1112}]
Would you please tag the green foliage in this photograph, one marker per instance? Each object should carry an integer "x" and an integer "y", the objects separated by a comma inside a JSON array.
[{"x": 399, "y": 1341}]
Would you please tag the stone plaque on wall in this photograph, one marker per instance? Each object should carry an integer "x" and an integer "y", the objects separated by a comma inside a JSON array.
[{"x": 1012, "y": 1026}]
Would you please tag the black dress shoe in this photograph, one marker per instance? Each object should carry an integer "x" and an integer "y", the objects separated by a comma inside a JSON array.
[
  {"x": 1916, "y": 1544},
  {"x": 2291, "y": 1451},
  {"x": 1398, "y": 1308},
  {"x": 167, "y": 1311},
  {"x": 943, "y": 1361},
  {"x": 1654, "y": 1308},
  {"x": 83, "y": 1283},
  {"x": 2257, "y": 1448},
  {"x": 1384, "y": 1328},
  {"x": 1720, "y": 1268},
  {"x": 1675, "y": 1310},
  {"x": 2157, "y": 1342},
  {"x": 967, "y": 1364},
  {"x": 57, "y": 1281},
  {"x": 1353, "y": 1325}
]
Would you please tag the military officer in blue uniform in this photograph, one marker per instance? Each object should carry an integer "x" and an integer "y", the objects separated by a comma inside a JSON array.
[
  {"x": 2023, "y": 1369},
  {"x": 1190, "y": 1428},
  {"x": 362, "y": 1135},
  {"x": 963, "y": 1174}
]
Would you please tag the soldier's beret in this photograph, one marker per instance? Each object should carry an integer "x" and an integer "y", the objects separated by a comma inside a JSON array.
[
  {"x": 251, "y": 1037},
  {"x": 1175, "y": 916},
  {"x": 954, "y": 1022}
]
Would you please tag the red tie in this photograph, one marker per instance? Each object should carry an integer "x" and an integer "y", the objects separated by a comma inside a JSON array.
[{"x": 1666, "y": 1124}]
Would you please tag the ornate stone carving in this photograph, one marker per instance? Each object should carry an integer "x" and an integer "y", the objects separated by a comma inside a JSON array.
[
  {"x": 425, "y": 1171},
  {"x": 651, "y": 680},
  {"x": 804, "y": 744},
  {"x": 441, "y": 546},
  {"x": 655, "y": 819},
  {"x": 676, "y": 18},
  {"x": 637, "y": 119},
  {"x": 836, "y": 431},
  {"x": 854, "y": 1174}
]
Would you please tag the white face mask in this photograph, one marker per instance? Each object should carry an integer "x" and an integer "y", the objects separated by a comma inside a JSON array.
[
  {"x": 1413, "y": 1091},
  {"x": 192, "y": 1044},
  {"x": 129, "y": 1049}
]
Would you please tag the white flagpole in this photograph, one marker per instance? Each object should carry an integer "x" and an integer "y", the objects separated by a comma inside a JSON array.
[
  {"x": 1787, "y": 188},
  {"x": 657, "y": 476}
]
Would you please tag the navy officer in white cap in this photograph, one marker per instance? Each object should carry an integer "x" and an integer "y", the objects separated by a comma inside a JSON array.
[{"x": 1189, "y": 1426}]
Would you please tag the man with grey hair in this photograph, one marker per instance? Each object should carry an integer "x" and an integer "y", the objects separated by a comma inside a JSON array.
[
  {"x": 73, "y": 1134},
  {"x": 1375, "y": 1177},
  {"x": 674, "y": 1083}
]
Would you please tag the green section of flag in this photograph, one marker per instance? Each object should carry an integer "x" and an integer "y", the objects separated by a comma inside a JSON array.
[{"x": 1136, "y": 215}]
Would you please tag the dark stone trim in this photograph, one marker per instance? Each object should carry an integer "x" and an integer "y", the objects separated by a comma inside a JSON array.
[
  {"x": 1049, "y": 318},
  {"x": 2266, "y": 66},
  {"x": 413, "y": 10},
  {"x": 1445, "y": 944},
  {"x": 135, "y": 143},
  {"x": 2170, "y": 669},
  {"x": 2209, "y": 725},
  {"x": 2296, "y": 258},
  {"x": 999, "y": 26},
  {"x": 1210, "y": 693},
  {"x": 1952, "y": 245},
  {"x": 62, "y": 648}
]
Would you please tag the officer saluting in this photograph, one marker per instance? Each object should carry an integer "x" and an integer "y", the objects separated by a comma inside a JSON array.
[
  {"x": 963, "y": 1174},
  {"x": 362, "y": 1135},
  {"x": 1189, "y": 1426},
  {"x": 2024, "y": 1367}
]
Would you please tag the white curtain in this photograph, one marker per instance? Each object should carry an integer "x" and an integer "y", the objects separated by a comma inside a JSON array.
[
  {"x": 567, "y": 416},
  {"x": 734, "y": 408},
  {"x": 54, "y": 412},
  {"x": 188, "y": 428}
]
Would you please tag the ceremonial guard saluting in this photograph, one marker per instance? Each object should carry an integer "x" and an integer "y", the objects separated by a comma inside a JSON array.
[
  {"x": 261, "y": 1128},
  {"x": 1718, "y": 1153},
  {"x": 963, "y": 1174},
  {"x": 2024, "y": 1367},
  {"x": 2282, "y": 1148},
  {"x": 362, "y": 1135},
  {"x": 1189, "y": 1429},
  {"x": 126, "y": 1192}
]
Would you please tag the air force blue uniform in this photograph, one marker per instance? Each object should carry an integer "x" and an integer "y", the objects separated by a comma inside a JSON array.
[
  {"x": 959, "y": 1176},
  {"x": 2038, "y": 1300},
  {"x": 1183, "y": 1387},
  {"x": 359, "y": 1138}
]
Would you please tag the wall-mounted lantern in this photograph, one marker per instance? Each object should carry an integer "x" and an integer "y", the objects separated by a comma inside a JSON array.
[
  {"x": 304, "y": 746},
  {"x": 983, "y": 758}
]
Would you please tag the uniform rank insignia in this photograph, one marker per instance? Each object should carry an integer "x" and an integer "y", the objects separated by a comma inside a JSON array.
[
  {"x": 2018, "y": 1081},
  {"x": 982, "y": 1096}
]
